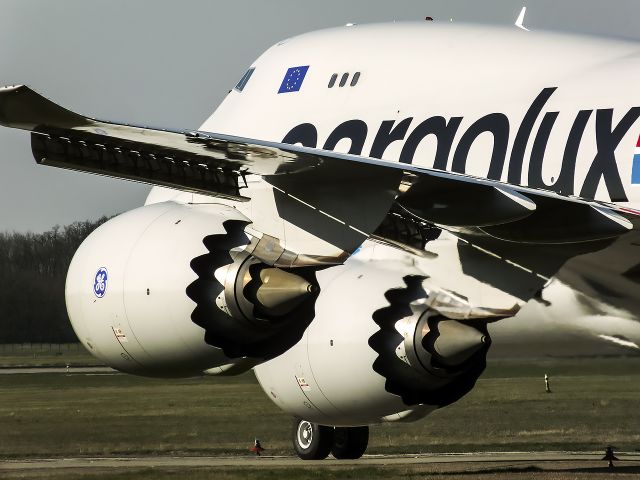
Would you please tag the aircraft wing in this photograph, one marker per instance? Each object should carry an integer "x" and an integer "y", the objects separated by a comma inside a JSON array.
[{"x": 339, "y": 186}]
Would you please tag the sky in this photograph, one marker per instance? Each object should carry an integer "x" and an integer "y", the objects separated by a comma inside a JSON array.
[{"x": 170, "y": 63}]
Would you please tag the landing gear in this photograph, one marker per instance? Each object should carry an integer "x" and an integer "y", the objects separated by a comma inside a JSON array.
[
  {"x": 349, "y": 442},
  {"x": 314, "y": 442},
  {"x": 311, "y": 441}
]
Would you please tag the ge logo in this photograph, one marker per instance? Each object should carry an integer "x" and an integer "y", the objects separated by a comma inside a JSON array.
[{"x": 100, "y": 282}]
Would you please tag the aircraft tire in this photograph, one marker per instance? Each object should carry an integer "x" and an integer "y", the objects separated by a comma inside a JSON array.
[
  {"x": 311, "y": 441},
  {"x": 349, "y": 442}
]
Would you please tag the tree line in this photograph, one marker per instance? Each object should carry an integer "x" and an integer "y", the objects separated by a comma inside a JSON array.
[{"x": 33, "y": 270}]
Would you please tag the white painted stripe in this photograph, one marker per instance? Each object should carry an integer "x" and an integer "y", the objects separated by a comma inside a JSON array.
[
  {"x": 302, "y": 201},
  {"x": 619, "y": 341},
  {"x": 332, "y": 217},
  {"x": 324, "y": 213},
  {"x": 485, "y": 251},
  {"x": 359, "y": 231},
  {"x": 518, "y": 266}
]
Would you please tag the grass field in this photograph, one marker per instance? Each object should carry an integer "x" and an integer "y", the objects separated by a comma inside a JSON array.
[{"x": 593, "y": 403}]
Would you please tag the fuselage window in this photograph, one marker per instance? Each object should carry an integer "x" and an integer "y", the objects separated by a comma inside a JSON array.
[
  {"x": 343, "y": 80},
  {"x": 333, "y": 79},
  {"x": 355, "y": 79},
  {"x": 244, "y": 80}
]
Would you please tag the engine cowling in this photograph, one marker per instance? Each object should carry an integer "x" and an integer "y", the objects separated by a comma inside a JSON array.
[
  {"x": 170, "y": 290},
  {"x": 377, "y": 349}
]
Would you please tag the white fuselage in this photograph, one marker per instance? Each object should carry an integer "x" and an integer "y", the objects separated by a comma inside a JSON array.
[{"x": 481, "y": 81}]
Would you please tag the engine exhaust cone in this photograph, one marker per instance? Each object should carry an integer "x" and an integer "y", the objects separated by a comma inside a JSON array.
[
  {"x": 456, "y": 342},
  {"x": 280, "y": 292}
]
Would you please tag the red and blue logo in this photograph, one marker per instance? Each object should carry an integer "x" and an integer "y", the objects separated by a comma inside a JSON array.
[{"x": 635, "y": 168}]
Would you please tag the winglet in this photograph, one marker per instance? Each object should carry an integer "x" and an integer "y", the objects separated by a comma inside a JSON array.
[
  {"x": 21, "y": 107},
  {"x": 520, "y": 20}
]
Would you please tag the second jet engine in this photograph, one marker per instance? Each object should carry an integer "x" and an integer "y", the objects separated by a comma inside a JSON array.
[{"x": 379, "y": 349}]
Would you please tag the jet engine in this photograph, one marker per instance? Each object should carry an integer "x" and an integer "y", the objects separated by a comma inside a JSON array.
[
  {"x": 171, "y": 290},
  {"x": 379, "y": 348}
]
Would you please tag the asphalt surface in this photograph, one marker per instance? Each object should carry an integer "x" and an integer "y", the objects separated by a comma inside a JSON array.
[
  {"x": 70, "y": 370},
  {"x": 269, "y": 461}
]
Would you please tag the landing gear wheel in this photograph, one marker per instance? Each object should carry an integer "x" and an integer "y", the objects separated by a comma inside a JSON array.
[
  {"x": 311, "y": 441},
  {"x": 349, "y": 442}
]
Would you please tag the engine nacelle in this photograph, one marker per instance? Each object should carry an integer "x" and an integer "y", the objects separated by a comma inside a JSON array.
[
  {"x": 377, "y": 350},
  {"x": 170, "y": 290}
]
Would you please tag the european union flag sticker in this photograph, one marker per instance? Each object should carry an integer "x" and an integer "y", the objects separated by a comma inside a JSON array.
[{"x": 292, "y": 80}]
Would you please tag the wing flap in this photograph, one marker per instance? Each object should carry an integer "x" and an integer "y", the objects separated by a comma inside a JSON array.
[
  {"x": 135, "y": 161},
  {"x": 456, "y": 204},
  {"x": 574, "y": 222}
]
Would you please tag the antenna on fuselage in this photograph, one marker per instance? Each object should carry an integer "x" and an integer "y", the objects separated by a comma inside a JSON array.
[{"x": 520, "y": 20}]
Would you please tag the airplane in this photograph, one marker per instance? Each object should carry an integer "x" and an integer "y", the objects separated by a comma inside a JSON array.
[{"x": 369, "y": 209}]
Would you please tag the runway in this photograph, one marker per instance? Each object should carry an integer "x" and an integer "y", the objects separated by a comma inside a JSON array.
[
  {"x": 283, "y": 462},
  {"x": 71, "y": 370}
]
